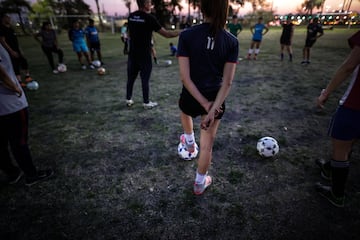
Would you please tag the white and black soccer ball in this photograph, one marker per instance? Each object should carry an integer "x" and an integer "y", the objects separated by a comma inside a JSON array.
[
  {"x": 96, "y": 63},
  {"x": 62, "y": 68},
  {"x": 33, "y": 85},
  {"x": 167, "y": 62},
  {"x": 267, "y": 147},
  {"x": 185, "y": 154}
]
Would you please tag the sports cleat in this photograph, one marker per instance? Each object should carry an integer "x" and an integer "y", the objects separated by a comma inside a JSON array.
[
  {"x": 55, "y": 71},
  {"x": 304, "y": 62},
  {"x": 190, "y": 147},
  {"x": 325, "y": 168},
  {"x": 150, "y": 105},
  {"x": 40, "y": 176},
  {"x": 129, "y": 103},
  {"x": 200, "y": 188},
  {"x": 91, "y": 66},
  {"x": 83, "y": 67},
  {"x": 327, "y": 193},
  {"x": 15, "y": 178}
]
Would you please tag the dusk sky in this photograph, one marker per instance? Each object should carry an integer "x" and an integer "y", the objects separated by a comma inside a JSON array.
[{"x": 280, "y": 6}]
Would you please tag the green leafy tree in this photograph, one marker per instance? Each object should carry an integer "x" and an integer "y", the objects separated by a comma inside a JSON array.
[
  {"x": 309, "y": 5},
  {"x": 42, "y": 9},
  {"x": 16, "y": 6}
]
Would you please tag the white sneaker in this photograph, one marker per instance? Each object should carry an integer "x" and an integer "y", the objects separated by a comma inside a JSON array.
[
  {"x": 129, "y": 103},
  {"x": 150, "y": 105},
  {"x": 83, "y": 67},
  {"x": 91, "y": 66},
  {"x": 55, "y": 71}
]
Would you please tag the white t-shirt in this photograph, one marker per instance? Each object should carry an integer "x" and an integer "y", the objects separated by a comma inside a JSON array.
[{"x": 9, "y": 101}]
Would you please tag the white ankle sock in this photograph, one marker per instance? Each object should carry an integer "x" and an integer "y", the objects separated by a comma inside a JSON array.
[
  {"x": 200, "y": 179},
  {"x": 190, "y": 138}
]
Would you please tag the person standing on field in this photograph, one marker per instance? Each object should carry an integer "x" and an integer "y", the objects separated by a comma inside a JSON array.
[
  {"x": 93, "y": 41},
  {"x": 77, "y": 37},
  {"x": 141, "y": 25},
  {"x": 234, "y": 27},
  {"x": 49, "y": 45},
  {"x": 10, "y": 42},
  {"x": 286, "y": 39},
  {"x": 344, "y": 128},
  {"x": 314, "y": 31},
  {"x": 207, "y": 68},
  {"x": 257, "y": 33},
  {"x": 14, "y": 118}
]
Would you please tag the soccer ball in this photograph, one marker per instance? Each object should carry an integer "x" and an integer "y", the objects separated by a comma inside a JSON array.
[
  {"x": 168, "y": 62},
  {"x": 62, "y": 68},
  {"x": 33, "y": 85},
  {"x": 267, "y": 147},
  {"x": 101, "y": 71},
  {"x": 184, "y": 153},
  {"x": 96, "y": 63}
]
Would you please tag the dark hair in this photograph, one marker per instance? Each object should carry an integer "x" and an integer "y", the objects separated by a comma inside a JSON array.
[
  {"x": 44, "y": 24},
  {"x": 91, "y": 20},
  {"x": 217, "y": 10},
  {"x": 140, "y": 3},
  {"x": 234, "y": 17}
]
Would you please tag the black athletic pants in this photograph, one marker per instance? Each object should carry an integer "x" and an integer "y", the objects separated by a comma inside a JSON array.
[
  {"x": 14, "y": 134},
  {"x": 48, "y": 52}
]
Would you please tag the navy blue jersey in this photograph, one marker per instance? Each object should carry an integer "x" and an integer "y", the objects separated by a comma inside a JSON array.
[
  {"x": 140, "y": 27},
  {"x": 312, "y": 30},
  {"x": 287, "y": 31},
  {"x": 207, "y": 55},
  {"x": 92, "y": 34}
]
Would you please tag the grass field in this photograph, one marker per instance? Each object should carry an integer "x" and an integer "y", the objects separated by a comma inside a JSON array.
[{"x": 117, "y": 174}]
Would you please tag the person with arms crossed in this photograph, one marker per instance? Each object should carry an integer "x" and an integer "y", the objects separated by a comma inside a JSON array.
[
  {"x": 141, "y": 25},
  {"x": 314, "y": 31},
  {"x": 344, "y": 128},
  {"x": 207, "y": 68},
  {"x": 257, "y": 33},
  {"x": 14, "y": 119}
]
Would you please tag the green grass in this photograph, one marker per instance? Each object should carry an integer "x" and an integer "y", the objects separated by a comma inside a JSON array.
[{"x": 117, "y": 175}]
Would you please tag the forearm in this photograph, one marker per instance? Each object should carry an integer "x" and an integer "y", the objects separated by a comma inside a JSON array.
[
  {"x": 6, "y": 81},
  {"x": 229, "y": 72},
  {"x": 343, "y": 72}
]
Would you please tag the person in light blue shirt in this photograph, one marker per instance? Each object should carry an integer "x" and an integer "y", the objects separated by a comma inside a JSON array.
[
  {"x": 258, "y": 31},
  {"x": 77, "y": 37}
]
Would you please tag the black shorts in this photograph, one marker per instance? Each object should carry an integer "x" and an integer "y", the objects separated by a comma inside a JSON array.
[
  {"x": 285, "y": 41},
  {"x": 94, "y": 46},
  {"x": 190, "y": 106},
  {"x": 309, "y": 43}
]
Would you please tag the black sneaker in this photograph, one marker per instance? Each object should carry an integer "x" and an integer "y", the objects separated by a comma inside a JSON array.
[
  {"x": 325, "y": 168},
  {"x": 327, "y": 193},
  {"x": 13, "y": 179},
  {"x": 41, "y": 175}
]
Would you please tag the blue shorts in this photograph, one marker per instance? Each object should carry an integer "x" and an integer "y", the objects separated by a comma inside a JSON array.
[
  {"x": 80, "y": 47},
  {"x": 345, "y": 124}
]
